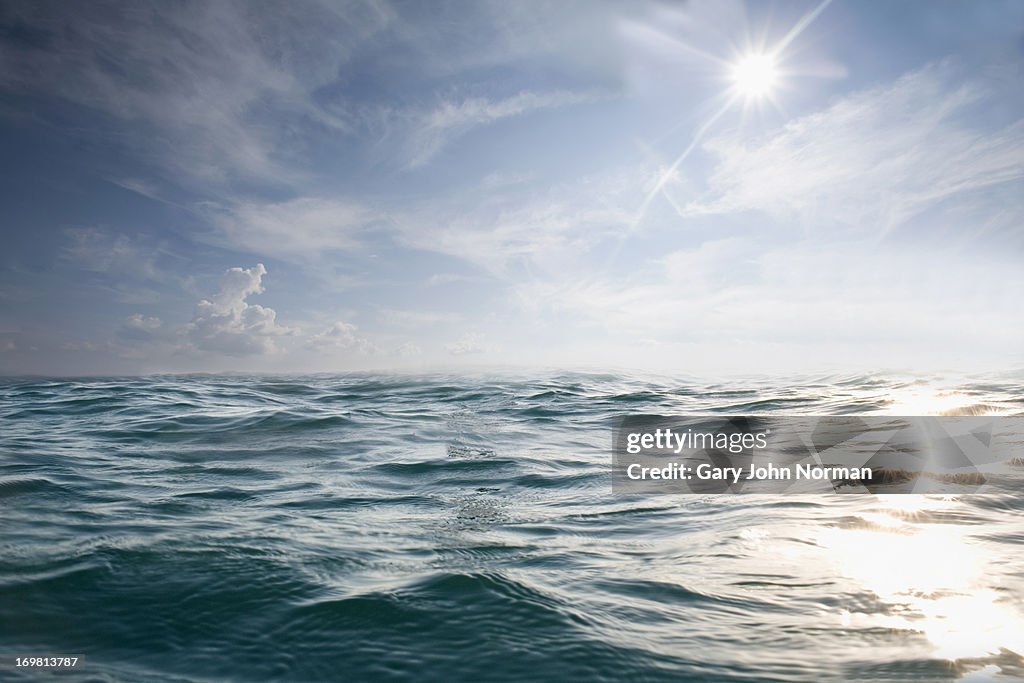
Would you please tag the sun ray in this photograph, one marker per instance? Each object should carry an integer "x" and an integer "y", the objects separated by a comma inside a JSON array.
[
  {"x": 668, "y": 173},
  {"x": 799, "y": 27}
]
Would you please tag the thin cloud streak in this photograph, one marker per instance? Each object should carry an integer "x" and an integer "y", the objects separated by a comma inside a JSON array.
[{"x": 436, "y": 128}]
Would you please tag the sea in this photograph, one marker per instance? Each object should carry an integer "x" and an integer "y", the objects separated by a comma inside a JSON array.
[{"x": 463, "y": 527}]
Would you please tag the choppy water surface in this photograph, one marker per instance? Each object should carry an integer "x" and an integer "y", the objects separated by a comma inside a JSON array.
[{"x": 451, "y": 528}]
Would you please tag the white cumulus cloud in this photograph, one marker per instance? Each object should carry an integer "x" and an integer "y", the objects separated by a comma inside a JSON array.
[{"x": 228, "y": 324}]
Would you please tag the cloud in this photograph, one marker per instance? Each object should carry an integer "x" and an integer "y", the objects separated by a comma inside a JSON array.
[
  {"x": 228, "y": 324},
  {"x": 342, "y": 336},
  {"x": 140, "y": 327},
  {"x": 302, "y": 228},
  {"x": 87, "y": 346},
  {"x": 432, "y": 130},
  {"x": 191, "y": 85},
  {"x": 439, "y": 279},
  {"x": 869, "y": 162},
  {"x": 215, "y": 93},
  {"x": 120, "y": 256},
  {"x": 499, "y": 233},
  {"x": 469, "y": 343},
  {"x": 129, "y": 268},
  {"x": 418, "y": 318},
  {"x": 734, "y": 298},
  {"x": 535, "y": 232},
  {"x": 408, "y": 350}
]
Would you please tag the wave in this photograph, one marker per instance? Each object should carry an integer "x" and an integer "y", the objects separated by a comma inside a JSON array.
[{"x": 391, "y": 527}]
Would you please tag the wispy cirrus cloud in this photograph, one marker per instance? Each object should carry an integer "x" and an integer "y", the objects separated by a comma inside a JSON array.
[
  {"x": 870, "y": 161},
  {"x": 300, "y": 228},
  {"x": 127, "y": 267},
  {"x": 193, "y": 86},
  {"x": 382, "y": 159},
  {"x": 418, "y": 318},
  {"x": 805, "y": 298},
  {"x": 431, "y": 130},
  {"x": 538, "y": 232},
  {"x": 119, "y": 255}
]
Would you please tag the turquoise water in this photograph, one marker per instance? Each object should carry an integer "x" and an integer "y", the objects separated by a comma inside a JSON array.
[{"x": 368, "y": 527}]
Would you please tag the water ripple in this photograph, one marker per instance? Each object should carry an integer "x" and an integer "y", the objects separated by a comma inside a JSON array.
[{"x": 377, "y": 527}]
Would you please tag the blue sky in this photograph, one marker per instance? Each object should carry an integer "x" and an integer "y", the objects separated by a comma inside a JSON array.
[{"x": 331, "y": 186}]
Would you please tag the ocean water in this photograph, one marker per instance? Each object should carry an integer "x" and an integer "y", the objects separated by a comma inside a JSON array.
[{"x": 457, "y": 528}]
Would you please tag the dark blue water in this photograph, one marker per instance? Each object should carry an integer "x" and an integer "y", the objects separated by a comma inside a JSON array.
[{"x": 463, "y": 528}]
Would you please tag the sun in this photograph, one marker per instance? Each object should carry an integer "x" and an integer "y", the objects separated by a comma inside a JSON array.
[{"x": 755, "y": 75}]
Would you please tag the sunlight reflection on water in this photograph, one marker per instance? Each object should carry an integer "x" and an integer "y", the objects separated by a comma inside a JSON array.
[{"x": 934, "y": 578}]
